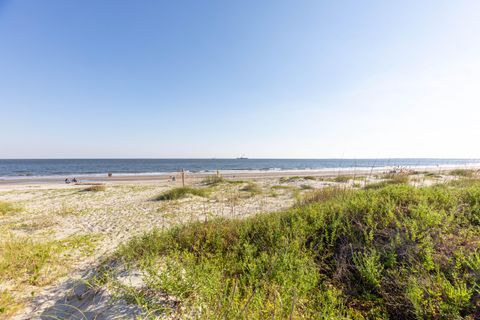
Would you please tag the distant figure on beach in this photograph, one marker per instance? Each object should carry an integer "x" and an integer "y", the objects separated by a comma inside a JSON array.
[
  {"x": 74, "y": 180},
  {"x": 173, "y": 178},
  {"x": 66, "y": 180}
]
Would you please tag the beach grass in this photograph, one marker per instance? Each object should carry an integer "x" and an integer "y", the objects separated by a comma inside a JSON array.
[
  {"x": 342, "y": 179},
  {"x": 30, "y": 262},
  {"x": 36, "y": 262},
  {"x": 296, "y": 178},
  {"x": 7, "y": 208},
  {"x": 182, "y": 192},
  {"x": 213, "y": 180},
  {"x": 9, "y": 305},
  {"x": 252, "y": 188},
  {"x": 395, "y": 252},
  {"x": 462, "y": 173},
  {"x": 391, "y": 179}
]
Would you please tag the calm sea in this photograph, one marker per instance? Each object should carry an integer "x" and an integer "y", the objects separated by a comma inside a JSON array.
[{"x": 65, "y": 167}]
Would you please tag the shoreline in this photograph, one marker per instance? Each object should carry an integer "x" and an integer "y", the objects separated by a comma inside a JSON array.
[{"x": 229, "y": 174}]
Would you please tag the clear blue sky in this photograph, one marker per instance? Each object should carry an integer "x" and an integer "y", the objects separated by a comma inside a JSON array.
[{"x": 284, "y": 79}]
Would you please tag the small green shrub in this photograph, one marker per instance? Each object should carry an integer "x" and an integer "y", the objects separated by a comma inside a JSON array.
[
  {"x": 182, "y": 192},
  {"x": 369, "y": 266}
]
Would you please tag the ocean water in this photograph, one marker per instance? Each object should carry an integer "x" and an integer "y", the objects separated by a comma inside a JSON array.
[{"x": 67, "y": 167}]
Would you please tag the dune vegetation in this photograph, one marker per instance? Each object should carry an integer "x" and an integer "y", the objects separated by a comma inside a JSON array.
[
  {"x": 389, "y": 252},
  {"x": 31, "y": 263},
  {"x": 7, "y": 208},
  {"x": 182, "y": 192}
]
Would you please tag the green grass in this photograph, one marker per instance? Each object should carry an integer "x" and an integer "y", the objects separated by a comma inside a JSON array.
[
  {"x": 7, "y": 208},
  {"x": 25, "y": 261},
  {"x": 182, "y": 192},
  {"x": 397, "y": 252}
]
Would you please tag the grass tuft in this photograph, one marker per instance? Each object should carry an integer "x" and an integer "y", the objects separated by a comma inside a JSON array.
[
  {"x": 342, "y": 179},
  {"x": 35, "y": 262},
  {"x": 393, "y": 179},
  {"x": 182, "y": 192},
  {"x": 252, "y": 188},
  {"x": 295, "y": 178},
  {"x": 7, "y": 208},
  {"x": 213, "y": 180}
]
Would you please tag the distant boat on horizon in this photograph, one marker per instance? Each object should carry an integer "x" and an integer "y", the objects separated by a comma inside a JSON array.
[{"x": 242, "y": 157}]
